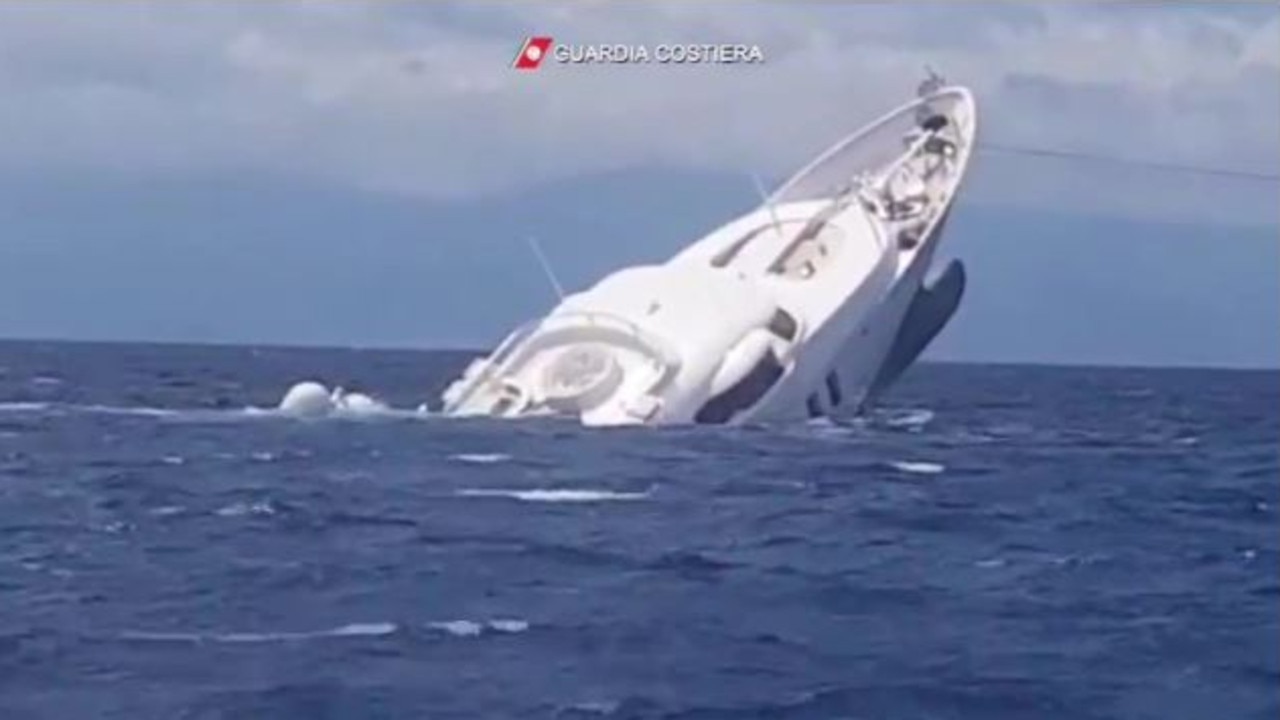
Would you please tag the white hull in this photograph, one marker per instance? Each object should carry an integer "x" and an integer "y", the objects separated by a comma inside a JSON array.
[{"x": 788, "y": 311}]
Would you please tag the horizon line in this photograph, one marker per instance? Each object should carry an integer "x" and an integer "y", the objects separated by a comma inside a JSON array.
[{"x": 276, "y": 345}]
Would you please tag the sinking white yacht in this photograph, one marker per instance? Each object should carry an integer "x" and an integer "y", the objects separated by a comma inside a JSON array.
[{"x": 816, "y": 300}]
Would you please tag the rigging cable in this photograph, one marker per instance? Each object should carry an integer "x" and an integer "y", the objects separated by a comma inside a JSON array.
[{"x": 1132, "y": 162}]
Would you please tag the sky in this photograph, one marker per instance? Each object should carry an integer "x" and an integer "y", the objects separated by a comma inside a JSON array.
[{"x": 364, "y": 173}]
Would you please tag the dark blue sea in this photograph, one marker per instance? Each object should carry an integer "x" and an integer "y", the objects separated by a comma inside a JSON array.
[{"x": 994, "y": 542}]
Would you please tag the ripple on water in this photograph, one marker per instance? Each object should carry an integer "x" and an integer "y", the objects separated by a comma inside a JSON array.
[
  {"x": 916, "y": 467},
  {"x": 350, "y": 630},
  {"x": 554, "y": 495},
  {"x": 242, "y": 509},
  {"x": 480, "y": 458},
  {"x": 847, "y": 568}
]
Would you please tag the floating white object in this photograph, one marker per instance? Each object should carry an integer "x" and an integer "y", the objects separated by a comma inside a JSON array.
[
  {"x": 311, "y": 399},
  {"x": 359, "y": 404},
  {"x": 307, "y": 399}
]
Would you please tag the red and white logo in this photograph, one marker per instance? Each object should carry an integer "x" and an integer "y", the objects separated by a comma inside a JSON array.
[{"x": 532, "y": 53}]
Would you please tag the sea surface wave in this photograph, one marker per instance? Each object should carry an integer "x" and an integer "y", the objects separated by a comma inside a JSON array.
[{"x": 994, "y": 542}]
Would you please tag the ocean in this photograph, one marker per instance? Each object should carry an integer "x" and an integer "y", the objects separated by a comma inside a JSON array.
[{"x": 992, "y": 542}]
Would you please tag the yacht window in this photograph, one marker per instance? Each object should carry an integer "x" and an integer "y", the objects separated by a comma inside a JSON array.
[
  {"x": 814, "y": 406},
  {"x": 934, "y": 123},
  {"x": 910, "y": 237},
  {"x": 783, "y": 325},
  {"x": 810, "y": 251},
  {"x": 940, "y": 146},
  {"x": 727, "y": 255},
  {"x": 731, "y": 252},
  {"x": 744, "y": 394},
  {"x": 833, "y": 389}
]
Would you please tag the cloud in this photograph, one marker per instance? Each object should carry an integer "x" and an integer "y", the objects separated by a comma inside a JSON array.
[{"x": 419, "y": 99}]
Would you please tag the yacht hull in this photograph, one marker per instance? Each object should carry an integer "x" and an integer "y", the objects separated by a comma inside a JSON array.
[
  {"x": 886, "y": 342},
  {"x": 930, "y": 311}
]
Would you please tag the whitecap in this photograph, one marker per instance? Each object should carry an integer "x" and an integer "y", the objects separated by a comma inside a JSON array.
[
  {"x": 473, "y": 628},
  {"x": 509, "y": 626},
  {"x": 554, "y": 495},
  {"x": 138, "y": 410},
  {"x": 480, "y": 458},
  {"x": 218, "y": 415},
  {"x": 373, "y": 629},
  {"x": 459, "y": 628},
  {"x": 910, "y": 419},
  {"x": 917, "y": 467},
  {"x": 173, "y": 460},
  {"x": 146, "y": 635},
  {"x": 22, "y": 407},
  {"x": 250, "y": 637},
  {"x": 241, "y": 509},
  {"x": 825, "y": 427},
  {"x": 122, "y": 410}
]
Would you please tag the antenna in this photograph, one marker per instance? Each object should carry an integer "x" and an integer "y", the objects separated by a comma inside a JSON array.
[
  {"x": 932, "y": 83},
  {"x": 764, "y": 197},
  {"x": 546, "y": 267}
]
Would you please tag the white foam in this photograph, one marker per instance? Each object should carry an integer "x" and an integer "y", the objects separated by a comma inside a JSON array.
[
  {"x": 23, "y": 407},
  {"x": 554, "y": 495},
  {"x": 459, "y": 628},
  {"x": 918, "y": 468},
  {"x": 481, "y": 458},
  {"x": 242, "y": 509},
  {"x": 139, "y": 410},
  {"x": 910, "y": 419},
  {"x": 99, "y": 409},
  {"x": 509, "y": 626},
  {"x": 825, "y": 427},
  {"x": 472, "y": 628},
  {"x": 374, "y": 629}
]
